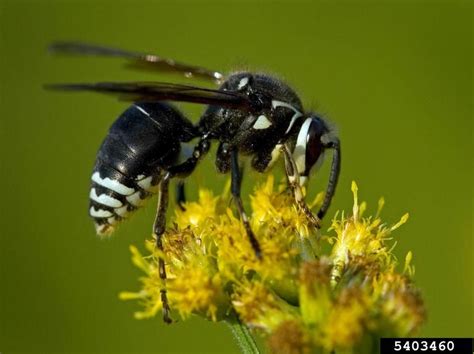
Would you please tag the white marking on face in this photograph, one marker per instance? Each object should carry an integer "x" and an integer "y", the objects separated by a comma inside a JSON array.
[
  {"x": 243, "y": 82},
  {"x": 99, "y": 213},
  {"x": 142, "y": 110},
  {"x": 262, "y": 122},
  {"x": 105, "y": 199},
  {"x": 112, "y": 220},
  {"x": 276, "y": 103},
  {"x": 123, "y": 211},
  {"x": 299, "y": 154},
  {"x": 111, "y": 184},
  {"x": 135, "y": 199}
]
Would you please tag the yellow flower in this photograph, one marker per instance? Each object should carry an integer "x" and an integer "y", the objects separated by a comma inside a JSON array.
[
  {"x": 301, "y": 296},
  {"x": 259, "y": 307},
  {"x": 290, "y": 338},
  {"x": 315, "y": 291},
  {"x": 347, "y": 320},
  {"x": 400, "y": 304},
  {"x": 359, "y": 236},
  {"x": 197, "y": 214},
  {"x": 150, "y": 286},
  {"x": 194, "y": 283}
]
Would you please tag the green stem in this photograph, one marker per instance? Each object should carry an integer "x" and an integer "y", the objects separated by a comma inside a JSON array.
[{"x": 242, "y": 335}]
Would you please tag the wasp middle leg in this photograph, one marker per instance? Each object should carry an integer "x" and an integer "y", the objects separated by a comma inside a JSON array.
[{"x": 236, "y": 187}]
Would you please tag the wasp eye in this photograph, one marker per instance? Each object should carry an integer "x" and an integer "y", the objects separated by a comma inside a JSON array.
[{"x": 314, "y": 146}]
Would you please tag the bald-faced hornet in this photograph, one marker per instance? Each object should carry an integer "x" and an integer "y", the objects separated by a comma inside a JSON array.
[{"x": 250, "y": 114}]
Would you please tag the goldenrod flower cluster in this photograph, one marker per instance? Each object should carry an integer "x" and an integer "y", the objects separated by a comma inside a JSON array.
[{"x": 310, "y": 293}]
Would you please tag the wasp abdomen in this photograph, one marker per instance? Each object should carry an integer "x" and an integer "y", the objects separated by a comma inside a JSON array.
[
  {"x": 113, "y": 196},
  {"x": 138, "y": 147}
]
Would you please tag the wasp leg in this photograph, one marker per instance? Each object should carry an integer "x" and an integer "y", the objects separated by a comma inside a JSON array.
[
  {"x": 236, "y": 186},
  {"x": 180, "y": 194},
  {"x": 182, "y": 170},
  {"x": 332, "y": 143},
  {"x": 180, "y": 189},
  {"x": 159, "y": 228},
  {"x": 185, "y": 168},
  {"x": 294, "y": 183},
  {"x": 223, "y": 157}
]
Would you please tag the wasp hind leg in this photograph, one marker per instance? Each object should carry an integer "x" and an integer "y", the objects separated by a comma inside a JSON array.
[{"x": 159, "y": 228}]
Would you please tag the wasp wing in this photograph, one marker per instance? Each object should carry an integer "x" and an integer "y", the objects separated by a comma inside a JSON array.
[
  {"x": 137, "y": 60},
  {"x": 162, "y": 91}
]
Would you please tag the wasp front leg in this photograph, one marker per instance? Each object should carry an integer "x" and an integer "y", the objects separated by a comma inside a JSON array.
[{"x": 295, "y": 186}]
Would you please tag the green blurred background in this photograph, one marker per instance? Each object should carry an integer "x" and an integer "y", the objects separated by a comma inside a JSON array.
[{"x": 394, "y": 77}]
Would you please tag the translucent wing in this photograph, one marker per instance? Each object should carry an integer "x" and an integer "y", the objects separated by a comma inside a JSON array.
[{"x": 137, "y": 60}]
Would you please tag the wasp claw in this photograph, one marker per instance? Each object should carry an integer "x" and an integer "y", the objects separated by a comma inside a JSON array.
[{"x": 166, "y": 315}]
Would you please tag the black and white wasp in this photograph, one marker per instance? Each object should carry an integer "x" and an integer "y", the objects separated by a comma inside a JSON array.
[{"x": 250, "y": 114}]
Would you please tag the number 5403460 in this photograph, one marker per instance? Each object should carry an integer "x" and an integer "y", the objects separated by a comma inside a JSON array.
[{"x": 423, "y": 345}]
